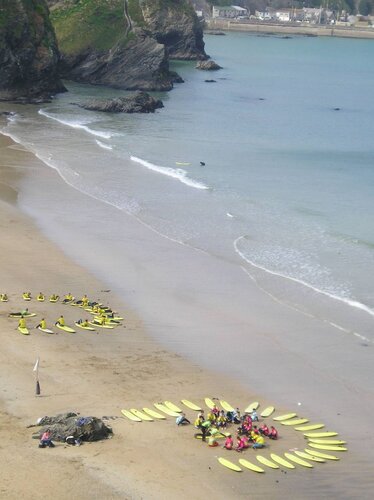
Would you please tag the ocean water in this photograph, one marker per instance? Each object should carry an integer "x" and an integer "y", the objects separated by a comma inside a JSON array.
[{"x": 286, "y": 188}]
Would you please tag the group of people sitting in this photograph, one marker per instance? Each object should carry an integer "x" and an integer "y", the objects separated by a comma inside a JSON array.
[{"x": 248, "y": 434}]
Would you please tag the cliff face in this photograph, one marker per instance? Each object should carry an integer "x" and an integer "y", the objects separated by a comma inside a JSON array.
[
  {"x": 174, "y": 24},
  {"x": 125, "y": 43},
  {"x": 28, "y": 51}
]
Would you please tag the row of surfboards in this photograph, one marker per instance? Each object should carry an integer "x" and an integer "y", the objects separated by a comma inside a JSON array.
[
  {"x": 68, "y": 329},
  {"x": 302, "y": 458}
]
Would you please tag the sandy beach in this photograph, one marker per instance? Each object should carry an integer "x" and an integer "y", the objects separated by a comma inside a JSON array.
[{"x": 101, "y": 373}]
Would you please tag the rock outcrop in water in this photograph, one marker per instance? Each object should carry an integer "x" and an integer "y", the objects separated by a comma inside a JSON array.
[
  {"x": 28, "y": 52},
  {"x": 208, "y": 65},
  {"x": 125, "y": 43},
  {"x": 139, "y": 102}
]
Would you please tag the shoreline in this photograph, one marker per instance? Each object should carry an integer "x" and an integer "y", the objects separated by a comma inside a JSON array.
[
  {"x": 258, "y": 28},
  {"x": 95, "y": 375},
  {"x": 157, "y": 376}
]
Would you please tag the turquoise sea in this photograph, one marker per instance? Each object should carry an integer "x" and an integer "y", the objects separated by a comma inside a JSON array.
[{"x": 287, "y": 190}]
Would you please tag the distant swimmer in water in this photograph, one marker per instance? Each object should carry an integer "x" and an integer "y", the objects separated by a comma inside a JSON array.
[{"x": 202, "y": 163}]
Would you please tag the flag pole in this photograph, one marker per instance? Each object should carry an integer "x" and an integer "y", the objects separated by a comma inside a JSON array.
[{"x": 36, "y": 370}]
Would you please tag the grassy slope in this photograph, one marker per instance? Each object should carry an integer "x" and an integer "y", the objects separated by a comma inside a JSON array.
[{"x": 88, "y": 24}]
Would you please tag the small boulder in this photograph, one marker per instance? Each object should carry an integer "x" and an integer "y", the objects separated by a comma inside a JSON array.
[{"x": 209, "y": 65}]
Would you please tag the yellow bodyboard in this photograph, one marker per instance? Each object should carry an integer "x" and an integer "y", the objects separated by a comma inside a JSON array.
[{"x": 229, "y": 465}]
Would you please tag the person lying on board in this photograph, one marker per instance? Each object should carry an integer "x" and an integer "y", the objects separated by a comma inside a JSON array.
[
  {"x": 84, "y": 323},
  {"x": 54, "y": 297},
  {"x": 26, "y": 295},
  {"x": 4, "y": 297},
  {"x": 68, "y": 298},
  {"x": 40, "y": 296},
  {"x": 229, "y": 443},
  {"x": 60, "y": 321},
  {"x": 182, "y": 420},
  {"x": 273, "y": 433}
]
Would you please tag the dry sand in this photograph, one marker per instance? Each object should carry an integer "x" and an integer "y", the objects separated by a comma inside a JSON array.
[{"x": 101, "y": 373}]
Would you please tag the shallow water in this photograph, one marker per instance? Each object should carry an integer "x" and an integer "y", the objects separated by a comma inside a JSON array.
[{"x": 288, "y": 181}]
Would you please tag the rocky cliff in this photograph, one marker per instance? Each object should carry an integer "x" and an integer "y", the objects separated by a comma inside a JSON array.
[
  {"x": 125, "y": 43},
  {"x": 174, "y": 24},
  {"x": 28, "y": 51}
]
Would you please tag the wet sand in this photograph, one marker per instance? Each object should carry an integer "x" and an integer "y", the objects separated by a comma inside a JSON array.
[{"x": 100, "y": 373}]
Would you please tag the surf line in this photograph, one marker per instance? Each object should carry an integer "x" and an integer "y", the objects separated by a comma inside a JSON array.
[
  {"x": 179, "y": 174},
  {"x": 304, "y": 313},
  {"x": 349, "y": 302},
  {"x": 77, "y": 125}
]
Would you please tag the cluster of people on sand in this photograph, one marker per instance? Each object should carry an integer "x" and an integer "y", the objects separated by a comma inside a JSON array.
[{"x": 247, "y": 434}]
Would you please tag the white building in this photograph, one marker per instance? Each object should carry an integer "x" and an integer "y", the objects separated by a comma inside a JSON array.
[{"x": 230, "y": 11}]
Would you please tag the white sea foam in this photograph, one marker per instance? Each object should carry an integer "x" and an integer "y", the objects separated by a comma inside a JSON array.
[
  {"x": 78, "y": 124},
  {"x": 178, "y": 173},
  {"x": 345, "y": 300},
  {"x": 102, "y": 145}
]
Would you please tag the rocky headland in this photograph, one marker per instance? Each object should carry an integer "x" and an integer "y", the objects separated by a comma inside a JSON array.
[
  {"x": 125, "y": 43},
  {"x": 28, "y": 52}
]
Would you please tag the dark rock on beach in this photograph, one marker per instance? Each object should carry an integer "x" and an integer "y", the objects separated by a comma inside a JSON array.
[
  {"x": 138, "y": 102},
  {"x": 209, "y": 65},
  {"x": 71, "y": 424}
]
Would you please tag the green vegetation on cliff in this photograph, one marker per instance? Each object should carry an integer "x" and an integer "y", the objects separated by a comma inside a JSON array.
[{"x": 82, "y": 25}]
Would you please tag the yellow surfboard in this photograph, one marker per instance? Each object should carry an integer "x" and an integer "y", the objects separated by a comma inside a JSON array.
[
  {"x": 296, "y": 421},
  {"x": 267, "y": 412},
  {"x": 320, "y": 434},
  {"x": 229, "y": 465},
  {"x": 165, "y": 409},
  {"x": 190, "y": 405},
  {"x": 315, "y": 453},
  {"x": 267, "y": 462},
  {"x": 154, "y": 414},
  {"x": 281, "y": 418},
  {"x": 141, "y": 415},
  {"x": 327, "y": 441},
  {"x": 24, "y": 331},
  {"x": 302, "y": 454},
  {"x": 210, "y": 403},
  {"x": 131, "y": 416},
  {"x": 298, "y": 460},
  {"x": 65, "y": 328},
  {"x": 281, "y": 461},
  {"x": 172, "y": 407},
  {"x": 311, "y": 427},
  {"x": 251, "y": 407},
  {"x": 226, "y": 406},
  {"x": 250, "y": 465},
  {"x": 45, "y": 330},
  {"x": 329, "y": 447}
]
